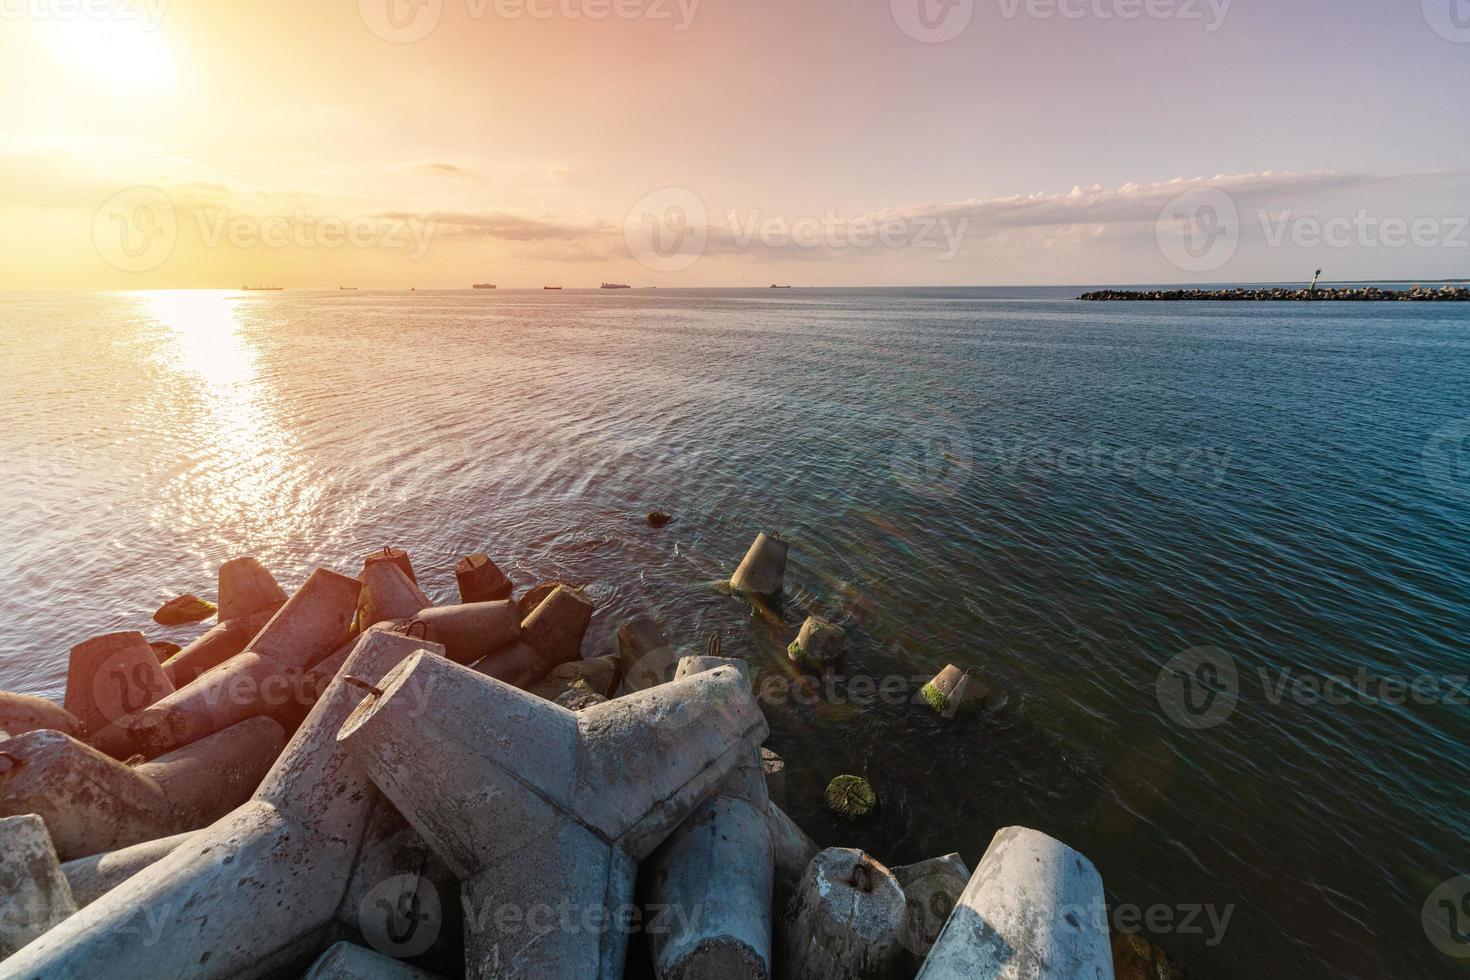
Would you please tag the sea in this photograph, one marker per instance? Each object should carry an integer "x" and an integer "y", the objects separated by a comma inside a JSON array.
[{"x": 1208, "y": 563}]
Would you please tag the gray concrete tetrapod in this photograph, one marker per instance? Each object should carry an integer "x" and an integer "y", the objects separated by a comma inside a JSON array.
[
  {"x": 646, "y": 655},
  {"x": 718, "y": 861},
  {"x": 107, "y": 680},
  {"x": 539, "y": 808},
  {"x": 1033, "y": 910},
  {"x": 792, "y": 849},
  {"x": 763, "y": 570},
  {"x": 92, "y": 803},
  {"x": 21, "y": 713},
  {"x": 481, "y": 580},
  {"x": 845, "y": 921},
  {"x": 93, "y": 876},
  {"x": 258, "y": 891},
  {"x": 397, "y": 556},
  {"x": 387, "y": 593},
  {"x": 818, "y": 647},
  {"x": 930, "y": 890},
  {"x": 469, "y": 632},
  {"x": 346, "y": 961},
  {"x": 264, "y": 679},
  {"x": 518, "y": 665},
  {"x": 34, "y": 895},
  {"x": 218, "y": 645},
  {"x": 245, "y": 588}
]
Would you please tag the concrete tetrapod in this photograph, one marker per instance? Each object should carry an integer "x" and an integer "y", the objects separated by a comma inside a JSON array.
[
  {"x": 345, "y": 961},
  {"x": 719, "y": 862},
  {"x": 930, "y": 890},
  {"x": 387, "y": 593},
  {"x": 763, "y": 570},
  {"x": 93, "y": 876},
  {"x": 263, "y": 680},
  {"x": 845, "y": 921},
  {"x": 34, "y": 895},
  {"x": 107, "y": 680},
  {"x": 21, "y": 713},
  {"x": 92, "y": 803},
  {"x": 1033, "y": 910},
  {"x": 397, "y": 556},
  {"x": 469, "y": 632},
  {"x": 215, "y": 647},
  {"x": 254, "y": 894},
  {"x": 536, "y": 807},
  {"x": 555, "y": 628},
  {"x": 481, "y": 580},
  {"x": 245, "y": 588}
]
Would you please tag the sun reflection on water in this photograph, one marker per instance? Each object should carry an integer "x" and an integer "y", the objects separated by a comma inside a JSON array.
[{"x": 242, "y": 455}]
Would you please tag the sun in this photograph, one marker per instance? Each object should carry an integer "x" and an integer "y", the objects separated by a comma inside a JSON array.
[{"x": 127, "y": 56}]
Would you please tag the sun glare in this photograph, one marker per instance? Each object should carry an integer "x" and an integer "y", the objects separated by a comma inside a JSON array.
[{"x": 127, "y": 57}]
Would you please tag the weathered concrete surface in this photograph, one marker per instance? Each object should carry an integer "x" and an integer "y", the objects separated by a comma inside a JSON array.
[
  {"x": 21, "y": 713},
  {"x": 537, "y": 594},
  {"x": 245, "y": 588},
  {"x": 92, "y": 803},
  {"x": 89, "y": 801},
  {"x": 533, "y": 805},
  {"x": 718, "y": 861},
  {"x": 265, "y": 679},
  {"x": 763, "y": 570},
  {"x": 930, "y": 889},
  {"x": 218, "y": 645},
  {"x": 792, "y": 850},
  {"x": 775, "y": 770},
  {"x": 517, "y": 665},
  {"x": 34, "y": 895},
  {"x": 1033, "y": 910},
  {"x": 397, "y": 556},
  {"x": 256, "y": 893},
  {"x": 467, "y": 633},
  {"x": 109, "y": 678},
  {"x": 94, "y": 876},
  {"x": 818, "y": 647},
  {"x": 387, "y": 593},
  {"x": 481, "y": 580},
  {"x": 599, "y": 675},
  {"x": 345, "y": 961},
  {"x": 647, "y": 657},
  {"x": 844, "y": 922},
  {"x": 556, "y": 627}
]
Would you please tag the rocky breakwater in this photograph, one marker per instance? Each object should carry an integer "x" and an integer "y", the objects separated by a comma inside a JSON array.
[
  {"x": 462, "y": 788},
  {"x": 1281, "y": 294}
]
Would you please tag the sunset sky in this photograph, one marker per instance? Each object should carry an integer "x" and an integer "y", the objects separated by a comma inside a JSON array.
[{"x": 148, "y": 144}]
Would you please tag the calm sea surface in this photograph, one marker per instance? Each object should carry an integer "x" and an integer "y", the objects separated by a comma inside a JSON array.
[{"x": 1070, "y": 498}]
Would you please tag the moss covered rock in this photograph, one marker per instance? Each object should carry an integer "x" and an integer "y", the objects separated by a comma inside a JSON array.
[
  {"x": 851, "y": 797},
  {"x": 187, "y": 608}
]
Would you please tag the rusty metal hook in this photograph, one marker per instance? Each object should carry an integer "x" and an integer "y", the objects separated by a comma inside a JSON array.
[{"x": 361, "y": 684}]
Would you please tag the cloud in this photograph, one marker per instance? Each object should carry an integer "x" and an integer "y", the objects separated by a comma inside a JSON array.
[{"x": 438, "y": 168}]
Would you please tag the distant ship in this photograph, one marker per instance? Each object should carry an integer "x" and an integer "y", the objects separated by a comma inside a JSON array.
[
  {"x": 350, "y": 289},
  {"x": 262, "y": 289},
  {"x": 550, "y": 287},
  {"x": 615, "y": 285},
  {"x": 483, "y": 285},
  {"x": 774, "y": 286}
]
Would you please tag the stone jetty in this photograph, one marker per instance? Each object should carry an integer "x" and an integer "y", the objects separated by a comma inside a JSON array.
[
  {"x": 1287, "y": 294},
  {"x": 353, "y": 780}
]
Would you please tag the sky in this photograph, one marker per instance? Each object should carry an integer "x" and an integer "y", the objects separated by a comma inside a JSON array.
[{"x": 435, "y": 143}]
